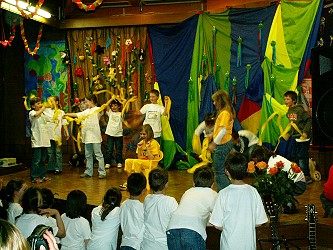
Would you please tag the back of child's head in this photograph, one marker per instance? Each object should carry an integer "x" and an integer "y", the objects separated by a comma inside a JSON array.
[
  {"x": 261, "y": 153},
  {"x": 292, "y": 95},
  {"x": 222, "y": 98},
  {"x": 92, "y": 98},
  {"x": 155, "y": 91},
  {"x": 56, "y": 100},
  {"x": 7, "y": 192},
  {"x": 136, "y": 183},
  {"x": 32, "y": 200},
  {"x": 76, "y": 204},
  {"x": 11, "y": 238},
  {"x": 236, "y": 165},
  {"x": 203, "y": 177},
  {"x": 112, "y": 199},
  {"x": 34, "y": 100},
  {"x": 210, "y": 119},
  {"x": 158, "y": 178},
  {"x": 48, "y": 198},
  {"x": 148, "y": 130}
]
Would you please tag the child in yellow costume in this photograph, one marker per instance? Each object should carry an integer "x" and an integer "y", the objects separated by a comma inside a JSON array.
[{"x": 148, "y": 151}]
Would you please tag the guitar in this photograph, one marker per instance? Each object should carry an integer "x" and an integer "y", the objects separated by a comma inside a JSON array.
[
  {"x": 312, "y": 218},
  {"x": 272, "y": 210}
]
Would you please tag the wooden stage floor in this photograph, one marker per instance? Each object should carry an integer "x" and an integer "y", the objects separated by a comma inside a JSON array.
[{"x": 179, "y": 182}]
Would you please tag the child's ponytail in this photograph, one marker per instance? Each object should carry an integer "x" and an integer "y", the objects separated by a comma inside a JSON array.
[{"x": 111, "y": 199}]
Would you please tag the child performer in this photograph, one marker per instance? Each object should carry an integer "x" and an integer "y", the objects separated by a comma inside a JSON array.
[
  {"x": 238, "y": 208},
  {"x": 158, "y": 209},
  {"x": 40, "y": 141},
  {"x": 187, "y": 227},
  {"x": 105, "y": 222},
  {"x": 132, "y": 213},
  {"x": 55, "y": 124},
  {"x": 301, "y": 136},
  {"x": 147, "y": 149},
  {"x": 114, "y": 131},
  {"x": 222, "y": 140},
  {"x": 91, "y": 137}
]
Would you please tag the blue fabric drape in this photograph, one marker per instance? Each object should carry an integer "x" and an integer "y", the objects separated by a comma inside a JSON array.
[
  {"x": 172, "y": 51},
  {"x": 208, "y": 88}
]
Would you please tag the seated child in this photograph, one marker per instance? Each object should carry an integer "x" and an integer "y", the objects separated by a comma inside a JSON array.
[
  {"x": 77, "y": 227},
  {"x": 33, "y": 214},
  {"x": 147, "y": 149},
  {"x": 327, "y": 196},
  {"x": 238, "y": 208},
  {"x": 132, "y": 213},
  {"x": 158, "y": 209},
  {"x": 244, "y": 141},
  {"x": 187, "y": 226},
  {"x": 105, "y": 222}
]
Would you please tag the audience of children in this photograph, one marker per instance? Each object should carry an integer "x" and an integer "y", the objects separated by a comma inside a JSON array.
[
  {"x": 91, "y": 137},
  {"x": 77, "y": 227},
  {"x": 147, "y": 149},
  {"x": 40, "y": 141},
  {"x": 244, "y": 141},
  {"x": 238, "y": 208},
  {"x": 300, "y": 135},
  {"x": 132, "y": 213},
  {"x": 32, "y": 216},
  {"x": 327, "y": 196},
  {"x": 187, "y": 226},
  {"x": 153, "y": 113},
  {"x": 114, "y": 132},
  {"x": 105, "y": 222},
  {"x": 222, "y": 140},
  {"x": 55, "y": 125},
  {"x": 11, "y": 196},
  {"x": 158, "y": 209}
]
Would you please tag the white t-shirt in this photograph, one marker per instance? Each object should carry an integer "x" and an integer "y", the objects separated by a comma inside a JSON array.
[
  {"x": 153, "y": 117},
  {"x": 194, "y": 210},
  {"x": 115, "y": 124},
  {"x": 91, "y": 132},
  {"x": 287, "y": 166},
  {"x": 13, "y": 211},
  {"x": 77, "y": 230},
  {"x": 27, "y": 223},
  {"x": 158, "y": 209},
  {"x": 238, "y": 209},
  {"x": 132, "y": 223},
  {"x": 55, "y": 126},
  {"x": 39, "y": 131},
  {"x": 253, "y": 139},
  {"x": 104, "y": 234},
  {"x": 202, "y": 128}
]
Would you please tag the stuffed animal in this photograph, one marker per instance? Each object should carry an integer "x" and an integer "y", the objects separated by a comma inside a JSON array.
[
  {"x": 315, "y": 175},
  {"x": 77, "y": 160}
]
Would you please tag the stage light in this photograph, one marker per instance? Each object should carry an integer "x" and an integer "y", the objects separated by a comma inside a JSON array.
[{"x": 10, "y": 5}]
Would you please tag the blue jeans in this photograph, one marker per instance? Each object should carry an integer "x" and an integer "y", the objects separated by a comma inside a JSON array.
[
  {"x": 300, "y": 155},
  {"x": 38, "y": 165},
  {"x": 90, "y": 149},
  {"x": 114, "y": 142},
  {"x": 185, "y": 239},
  {"x": 220, "y": 154},
  {"x": 55, "y": 156}
]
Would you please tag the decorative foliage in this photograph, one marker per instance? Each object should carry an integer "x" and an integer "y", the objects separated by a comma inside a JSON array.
[
  {"x": 40, "y": 32},
  {"x": 29, "y": 15},
  {"x": 274, "y": 182},
  {"x": 8, "y": 42},
  {"x": 89, "y": 7}
]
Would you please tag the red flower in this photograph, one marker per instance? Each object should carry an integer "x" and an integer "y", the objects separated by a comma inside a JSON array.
[
  {"x": 273, "y": 171},
  {"x": 296, "y": 168},
  {"x": 279, "y": 164}
]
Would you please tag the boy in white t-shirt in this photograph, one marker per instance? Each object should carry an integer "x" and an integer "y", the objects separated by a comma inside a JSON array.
[
  {"x": 187, "y": 227},
  {"x": 238, "y": 208},
  {"x": 40, "y": 141},
  {"x": 158, "y": 209},
  {"x": 153, "y": 112},
  {"x": 132, "y": 213}
]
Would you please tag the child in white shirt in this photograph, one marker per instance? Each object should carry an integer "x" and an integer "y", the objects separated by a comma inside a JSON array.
[
  {"x": 77, "y": 227},
  {"x": 187, "y": 227},
  {"x": 158, "y": 209},
  {"x": 132, "y": 213},
  {"x": 105, "y": 222}
]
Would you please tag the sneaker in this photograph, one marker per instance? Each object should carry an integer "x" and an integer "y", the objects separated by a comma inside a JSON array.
[
  {"x": 123, "y": 187},
  {"x": 107, "y": 166},
  {"x": 101, "y": 176},
  {"x": 57, "y": 172},
  {"x": 119, "y": 165},
  {"x": 308, "y": 179},
  {"x": 84, "y": 175},
  {"x": 45, "y": 178},
  {"x": 37, "y": 180}
]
